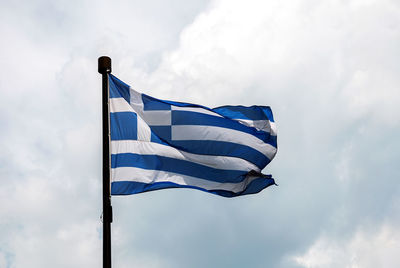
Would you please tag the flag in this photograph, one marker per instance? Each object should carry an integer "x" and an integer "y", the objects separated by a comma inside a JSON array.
[{"x": 158, "y": 144}]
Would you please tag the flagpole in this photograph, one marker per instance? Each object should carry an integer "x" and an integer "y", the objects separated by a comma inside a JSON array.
[{"x": 104, "y": 67}]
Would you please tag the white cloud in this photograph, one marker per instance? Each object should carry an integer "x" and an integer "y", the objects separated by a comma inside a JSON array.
[
  {"x": 327, "y": 68},
  {"x": 366, "y": 248},
  {"x": 65, "y": 246}
]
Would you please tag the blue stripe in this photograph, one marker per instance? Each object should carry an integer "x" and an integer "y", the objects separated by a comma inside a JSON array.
[
  {"x": 166, "y": 104},
  {"x": 123, "y": 126},
  {"x": 156, "y": 139},
  {"x": 222, "y": 148},
  {"x": 181, "y": 104},
  {"x": 161, "y": 132},
  {"x": 153, "y": 104},
  {"x": 258, "y": 185},
  {"x": 118, "y": 88},
  {"x": 193, "y": 118},
  {"x": 179, "y": 166},
  {"x": 247, "y": 113},
  {"x": 131, "y": 187}
]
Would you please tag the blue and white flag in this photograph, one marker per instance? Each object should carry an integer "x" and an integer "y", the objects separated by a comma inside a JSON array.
[{"x": 158, "y": 144}]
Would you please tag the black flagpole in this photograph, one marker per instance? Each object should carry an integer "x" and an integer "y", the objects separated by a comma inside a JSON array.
[{"x": 104, "y": 67}]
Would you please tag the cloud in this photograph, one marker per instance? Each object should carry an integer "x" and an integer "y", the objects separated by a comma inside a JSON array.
[
  {"x": 328, "y": 70},
  {"x": 364, "y": 249}
]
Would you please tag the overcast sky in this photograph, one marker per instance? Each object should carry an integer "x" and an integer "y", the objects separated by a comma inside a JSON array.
[{"x": 328, "y": 69}]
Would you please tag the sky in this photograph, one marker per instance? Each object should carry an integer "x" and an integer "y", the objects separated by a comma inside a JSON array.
[{"x": 328, "y": 69}]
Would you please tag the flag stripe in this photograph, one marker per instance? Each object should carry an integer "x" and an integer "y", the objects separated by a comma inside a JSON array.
[
  {"x": 123, "y": 174},
  {"x": 133, "y": 187},
  {"x": 196, "y": 110},
  {"x": 215, "y": 161},
  {"x": 264, "y": 125},
  {"x": 222, "y": 148},
  {"x": 150, "y": 103},
  {"x": 212, "y": 133},
  {"x": 193, "y": 118},
  {"x": 183, "y": 167},
  {"x": 157, "y": 118},
  {"x": 247, "y": 113},
  {"x": 120, "y": 105}
]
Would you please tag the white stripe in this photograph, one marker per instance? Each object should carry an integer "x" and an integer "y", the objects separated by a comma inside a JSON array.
[
  {"x": 143, "y": 130},
  {"x": 274, "y": 129},
  {"x": 119, "y": 105},
  {"x": 189, "y": 132},
  {"x": 151, "y": 148},
  {"x": 157, "y": 118},
  {"x": 153, "y": 176},
  {"x": 136, "y": 99},
  {"x": 195, "y": 109},
  {"x": 264, "y": 125}
]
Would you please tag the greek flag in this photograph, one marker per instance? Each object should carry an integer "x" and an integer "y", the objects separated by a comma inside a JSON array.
[{"x": 158, "y": 144}]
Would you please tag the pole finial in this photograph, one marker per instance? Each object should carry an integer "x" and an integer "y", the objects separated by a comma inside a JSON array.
[{"x": 104, "y": 65}]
